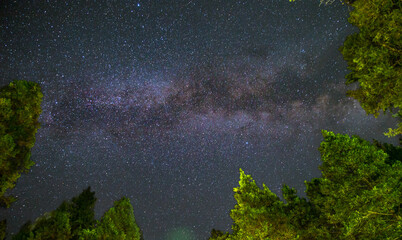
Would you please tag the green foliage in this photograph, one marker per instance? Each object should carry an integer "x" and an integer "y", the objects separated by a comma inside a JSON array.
[
  {"x": 394, "y": 153},
  {"x": 357, "y": 197},
  {"x": 54, "y": 225},
  {"x": 19, "y": 112},
  {"x": 117, "y": 223},
  {"x": 218, "y": 235},
  {"x": 75, "y": 220},
  {"x": 3, "y": 229},
  {"x": 374, "y": 56},
  {"x": 66, "y": 222},
  {"x": 359, "y": 193},
  {"x": 259, "y": 212},
  {"x": 82, "y": 211}
]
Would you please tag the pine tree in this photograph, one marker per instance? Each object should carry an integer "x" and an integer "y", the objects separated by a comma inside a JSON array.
[
  {"x": 75, "y": 220},
  {"x": 117, "y": 223}
]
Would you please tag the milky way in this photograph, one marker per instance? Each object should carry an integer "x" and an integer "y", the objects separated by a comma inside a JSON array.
[{"x": 164, "y": 101}]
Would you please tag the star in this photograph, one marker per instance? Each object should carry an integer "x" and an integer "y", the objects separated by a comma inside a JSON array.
[{"x": 163, "y": 103}]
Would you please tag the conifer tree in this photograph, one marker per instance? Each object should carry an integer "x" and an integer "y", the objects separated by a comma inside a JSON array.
[
  {"x": 117, "y": 223},
  {"x": 75, "y": 220}
]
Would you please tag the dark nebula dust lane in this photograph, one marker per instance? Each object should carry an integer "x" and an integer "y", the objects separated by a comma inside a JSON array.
[{"x": 164, "y": 101}]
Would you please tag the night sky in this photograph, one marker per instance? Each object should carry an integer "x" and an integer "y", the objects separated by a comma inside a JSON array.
[{"x": 163, "y": 101}]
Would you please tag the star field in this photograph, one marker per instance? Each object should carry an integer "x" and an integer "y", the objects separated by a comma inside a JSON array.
[{"x": 164, "y": 101}]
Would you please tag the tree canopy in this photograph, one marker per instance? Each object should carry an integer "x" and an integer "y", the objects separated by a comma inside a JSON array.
[
  {"x": 374, "y": 57},
  {"x": 357, "y": 197},
  {"x": 117, "y": 223},
  {"x": 19, "y": 112},
  {"x": 75, "y": 220}
]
